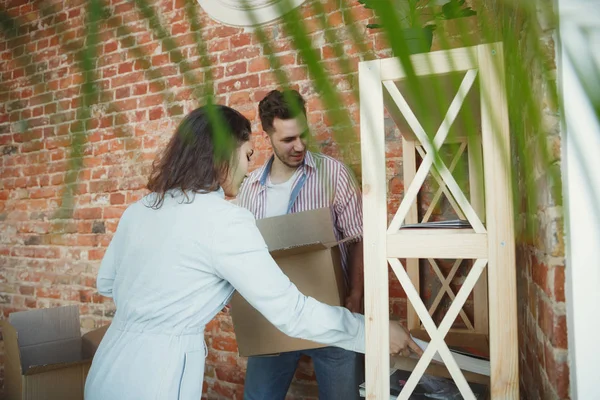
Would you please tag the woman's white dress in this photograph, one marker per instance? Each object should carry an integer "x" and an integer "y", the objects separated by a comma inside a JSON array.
[{"x": 170, "y": 271}]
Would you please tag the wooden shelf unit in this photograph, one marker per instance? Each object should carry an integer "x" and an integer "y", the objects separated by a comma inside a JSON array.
[{"x": 489, "y": 244}]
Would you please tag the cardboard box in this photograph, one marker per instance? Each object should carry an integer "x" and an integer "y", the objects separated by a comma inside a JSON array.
[
  {"x": 305, "y": 248},
  {"x": 43, "y": 354},
  {"x": 90, "y": 342}
]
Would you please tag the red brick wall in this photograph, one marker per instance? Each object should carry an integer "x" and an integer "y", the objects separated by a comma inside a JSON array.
[
  {"x": 541, "y": 249},
  {"x": 47, "y": 262}
]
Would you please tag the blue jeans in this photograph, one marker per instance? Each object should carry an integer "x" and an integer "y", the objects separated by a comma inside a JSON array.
[{"x": 338, "y": 372}]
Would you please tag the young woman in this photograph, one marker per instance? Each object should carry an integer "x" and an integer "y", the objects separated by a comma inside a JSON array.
[{"x": 175, "y": 260}]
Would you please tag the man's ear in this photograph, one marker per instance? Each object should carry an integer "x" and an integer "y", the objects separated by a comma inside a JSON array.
[{"x": 267, "y": 135}]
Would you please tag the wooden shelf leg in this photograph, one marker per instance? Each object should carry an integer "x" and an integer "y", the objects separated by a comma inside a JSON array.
[
  {"x": 504, "y": 356},
  {"x": 409, "y": 167}
]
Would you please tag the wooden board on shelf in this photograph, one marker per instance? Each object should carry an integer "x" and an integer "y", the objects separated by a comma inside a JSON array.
[
  {"x": 437, "y": 243},
  {"x": 438, "y": 62},
  {"x": 475, "y": 343}
]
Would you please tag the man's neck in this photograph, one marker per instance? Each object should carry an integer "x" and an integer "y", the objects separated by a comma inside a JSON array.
[{"x": 280, "y": 172}]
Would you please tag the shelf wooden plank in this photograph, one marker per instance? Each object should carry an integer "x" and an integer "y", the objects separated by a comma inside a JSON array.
[
  {"x": 437, "y": 243},
  {"x": 504, "y": 355},
  {"x": 476, "y": 186},
  {"x": 409, "y": 168},
  {"x": 478, "y": 343},
  {"x": 439, "y": 62},
  {"x": 374, "y": 230}
]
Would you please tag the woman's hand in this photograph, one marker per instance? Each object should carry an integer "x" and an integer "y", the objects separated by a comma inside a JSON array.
[{"x": 400, "y": 340}]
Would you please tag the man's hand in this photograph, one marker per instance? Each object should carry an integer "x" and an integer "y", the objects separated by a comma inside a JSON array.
[
  {"x": 400, "y": 340},
  {"x": 354, "y": 301}
]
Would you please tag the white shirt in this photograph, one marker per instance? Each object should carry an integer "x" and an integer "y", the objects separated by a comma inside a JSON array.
[
  {"x": 278, "y": 196},
  {"x": 170, "y": 271}
]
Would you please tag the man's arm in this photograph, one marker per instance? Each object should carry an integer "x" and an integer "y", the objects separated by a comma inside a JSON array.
[
  {"x": 348, "y": 207},
  {"x": 356, "y": 276}
]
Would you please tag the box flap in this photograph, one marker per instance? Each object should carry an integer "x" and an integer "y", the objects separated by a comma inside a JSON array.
[
  {"x": 305, "y": 248},
  {"x": 290, "y": 251},
  {"x": 44, "y": 354},
  {"x": 46, "y": 325},
  {"x": 298, "y": 229},
  {"x": 91, "y": 340},
  {"x": 13, "y": 384},
  {"x": 48, "y": 336},
  {"x": 38, "y": 369}
]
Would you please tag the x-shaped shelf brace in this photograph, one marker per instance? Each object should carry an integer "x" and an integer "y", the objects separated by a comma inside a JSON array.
[
  {"x": 442, "y": 189},
  {"x": 430, "y": 149},
  {"x": 436, "y": 334},
  {"x": 443, "y": 175},
  {"x": 442, "y": 185},
  {"x": 446, "y": 289}
]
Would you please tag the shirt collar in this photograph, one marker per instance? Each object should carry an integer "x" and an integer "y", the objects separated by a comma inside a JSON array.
[{"x": 308, "y": 165}]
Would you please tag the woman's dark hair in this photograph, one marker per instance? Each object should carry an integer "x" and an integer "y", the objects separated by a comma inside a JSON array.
[
  {"x": 199, "y": 152},
  {"x": 286, "y": 104}
]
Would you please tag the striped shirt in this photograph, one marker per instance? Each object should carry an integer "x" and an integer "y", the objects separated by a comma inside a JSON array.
[{"x": 322, "y": 182}]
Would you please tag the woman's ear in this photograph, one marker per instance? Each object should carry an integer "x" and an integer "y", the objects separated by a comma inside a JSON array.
[{"x": 222, "y": 171}]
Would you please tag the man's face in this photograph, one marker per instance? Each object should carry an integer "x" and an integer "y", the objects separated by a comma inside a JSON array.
[{"x": 289, "y": 140}]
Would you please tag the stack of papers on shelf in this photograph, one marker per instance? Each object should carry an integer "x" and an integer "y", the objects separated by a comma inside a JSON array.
[
  {"x": 397, "y": 380},
  {"x": 429, "y": 387},
  {"x": 432, "y": 387},
  {"x": 449, "y": 224}
]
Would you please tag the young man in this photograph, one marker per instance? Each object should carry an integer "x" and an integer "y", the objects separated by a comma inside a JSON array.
[{"x": 295, "y": 180}]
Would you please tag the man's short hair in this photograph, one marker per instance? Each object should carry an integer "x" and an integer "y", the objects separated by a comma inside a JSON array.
[{"x": 280, "y": 104}]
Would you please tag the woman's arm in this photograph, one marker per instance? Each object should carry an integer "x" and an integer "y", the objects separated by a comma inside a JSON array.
[
  {"x": 108, "y": 270},
  {"x": 241, "y": 257},
  {"x": 110, "y": 261}
]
